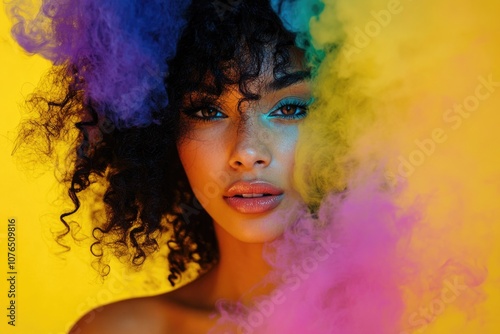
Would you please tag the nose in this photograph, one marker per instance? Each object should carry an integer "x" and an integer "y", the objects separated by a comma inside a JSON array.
[{"x": 251, "y": 147}]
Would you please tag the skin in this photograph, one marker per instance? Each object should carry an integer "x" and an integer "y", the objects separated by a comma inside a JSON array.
[
  {"x": 254, "y": 141},
  {"x": 226, "y": 142}
]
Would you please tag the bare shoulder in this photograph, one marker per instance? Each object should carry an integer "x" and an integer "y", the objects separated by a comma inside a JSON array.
[
  {"x": 139, "y": 315},
  {"x": 147, "y": 315}
]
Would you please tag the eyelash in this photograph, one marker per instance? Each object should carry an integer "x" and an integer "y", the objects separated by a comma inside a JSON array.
[
  {"x": 191, "y": 113},
  {"x": 294, "y": 103}
]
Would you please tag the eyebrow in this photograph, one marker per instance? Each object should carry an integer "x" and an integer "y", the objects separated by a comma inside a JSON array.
[{"x": 287, "y": 80}]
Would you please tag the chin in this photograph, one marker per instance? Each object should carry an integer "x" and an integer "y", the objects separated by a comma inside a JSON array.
[
  {"x": 257, "y": 232},
  {"x": 259, "y": 228}
]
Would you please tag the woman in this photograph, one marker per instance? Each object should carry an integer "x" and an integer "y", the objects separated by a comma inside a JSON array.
[
  {"x": 209, "y": 164},
  {"x": 213, "y": 167},
  {"x": 235, "y": 104}
]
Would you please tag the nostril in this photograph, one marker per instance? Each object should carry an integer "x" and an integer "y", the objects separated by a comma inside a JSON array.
[{"x": 249, "y": 156}]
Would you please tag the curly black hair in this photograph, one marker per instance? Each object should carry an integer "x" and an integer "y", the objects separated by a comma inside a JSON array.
[{"x": 147, "y": 192}]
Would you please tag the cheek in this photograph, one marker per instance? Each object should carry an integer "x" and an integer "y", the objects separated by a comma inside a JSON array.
[
  {"x": 201, "y": 161},
  {"x": 193, "y": 155},
  {"x": 187, "y": 154},
  {"x": 285, "y": 147}
]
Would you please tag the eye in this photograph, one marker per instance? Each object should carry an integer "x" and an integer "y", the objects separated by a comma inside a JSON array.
[
  {"x": 290, "y": 109},
  {"x": 205, "y": 114},
  {"x": 209, "y": 113}
]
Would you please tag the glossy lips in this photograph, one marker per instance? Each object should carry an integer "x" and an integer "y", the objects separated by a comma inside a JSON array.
[{"x": 253, "y": 196}]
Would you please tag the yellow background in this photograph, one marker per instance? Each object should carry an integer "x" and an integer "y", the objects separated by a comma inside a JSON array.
[{"x": 52, "y": 291}]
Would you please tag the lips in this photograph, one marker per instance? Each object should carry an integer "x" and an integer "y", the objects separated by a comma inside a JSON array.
[{"x": 253, "y": 197}]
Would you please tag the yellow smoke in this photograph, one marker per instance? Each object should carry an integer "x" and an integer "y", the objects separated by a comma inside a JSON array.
[{"x": 412, "y": 89}]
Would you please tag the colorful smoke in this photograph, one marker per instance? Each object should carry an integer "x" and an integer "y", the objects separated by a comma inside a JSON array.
[
  {"x": 399, "y": 154},
  {"x": 117, "y": 56}
]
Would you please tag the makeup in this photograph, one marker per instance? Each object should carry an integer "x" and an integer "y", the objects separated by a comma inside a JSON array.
[{"x": 253, "y": 197}]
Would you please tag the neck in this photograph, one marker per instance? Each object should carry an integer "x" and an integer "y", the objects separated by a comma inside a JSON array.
[
  {"x": 240, "y": 269},
  {"x": 235, "y": 277}
]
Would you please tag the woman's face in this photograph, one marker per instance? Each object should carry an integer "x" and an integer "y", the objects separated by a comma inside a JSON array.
[{"x": 239, "y": 157}]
